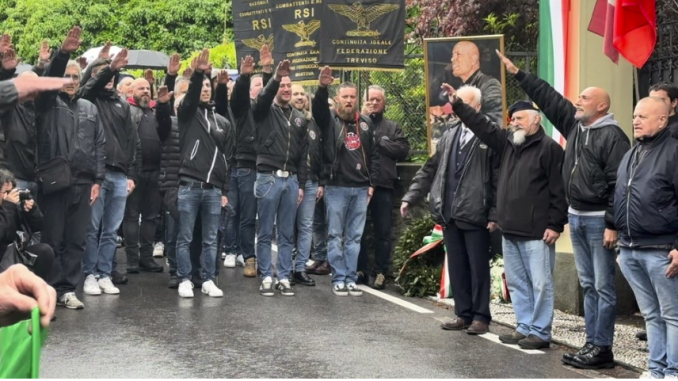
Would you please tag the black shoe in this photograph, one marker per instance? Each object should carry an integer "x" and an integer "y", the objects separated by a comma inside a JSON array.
[
  {"x": 362, "y": 278},
  {"x": 512, "y": 338},
  {"x": 302, "y": 278},
  {"x": 150, "y": 265},
  {"x": 642, "y": 335},
  {"x": 569, "y": 357},
  {"x": 133, "y": 269},
  {"x": 596, "y": 358},
  {"x": 118, "y": 278},
  {"x": 174, "y": 281}
]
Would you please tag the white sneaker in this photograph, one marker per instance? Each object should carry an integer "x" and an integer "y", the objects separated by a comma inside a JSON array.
[
  {"x": 229, "y": 261},
  {"x": 647, "y": 375},
  {"x": 91, "y": 286},
  {"x": 353, "y": 290},
  {"x": 186, "y": 289},
  {"x": 107, "y": 286},
  {"x": 223, "y": 255},
  {"x": 671, "y": 376},
  {"x": 310, "y": 263},
  {"x": 240, "y": 261},
  {"x": 70, "y": 301},
  {"x": 211, "y": 289},
  {"x": 159, "y": 250}
]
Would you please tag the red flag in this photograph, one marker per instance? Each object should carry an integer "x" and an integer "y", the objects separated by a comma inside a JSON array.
[
  {"x": 602, "y": 24},
  {"x": 635, "y": 30}
]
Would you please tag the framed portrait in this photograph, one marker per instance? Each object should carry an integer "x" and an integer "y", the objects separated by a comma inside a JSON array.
[{"x": 461, "y": 61}]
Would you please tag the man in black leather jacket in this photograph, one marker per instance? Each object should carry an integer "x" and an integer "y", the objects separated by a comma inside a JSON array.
[
  {"x": 461, "y": 178},
  {"x": 62, "y": 119}
]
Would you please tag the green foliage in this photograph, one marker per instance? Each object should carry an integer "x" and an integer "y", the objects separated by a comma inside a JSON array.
[
  {"x": 508, "y": 24},
  {"x": 406, "y": 92},
  {"x": 181, "y": 26},
  {"x": 221, "y": 56},
  {"x": 422, "y": 274},
  {"x": 496, "y": 283}
]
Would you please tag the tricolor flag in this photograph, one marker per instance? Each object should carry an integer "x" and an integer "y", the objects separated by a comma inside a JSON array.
[{"x": 553, "y": 35}]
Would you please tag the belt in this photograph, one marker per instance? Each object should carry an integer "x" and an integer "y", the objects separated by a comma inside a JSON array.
[
  {"x": 196, "y": 184},
  {"x": 279, "y": 173}
]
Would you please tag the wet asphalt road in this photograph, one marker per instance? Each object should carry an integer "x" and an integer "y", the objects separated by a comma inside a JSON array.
[{"x": 149, "y": 332}]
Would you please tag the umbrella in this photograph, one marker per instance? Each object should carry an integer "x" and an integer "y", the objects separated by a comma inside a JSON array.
[
  {"x": 146, "y": 59},
  {"x": 93, "y": 53}
]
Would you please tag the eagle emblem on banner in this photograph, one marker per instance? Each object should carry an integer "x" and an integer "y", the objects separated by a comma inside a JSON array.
[
  {"x": 259, "y": 42},
  {"x": 304, "y": 31},
  {"x": 363, "y": 16}
]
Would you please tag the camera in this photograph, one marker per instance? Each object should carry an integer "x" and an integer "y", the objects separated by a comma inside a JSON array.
[{"x": 25, "y": 194}]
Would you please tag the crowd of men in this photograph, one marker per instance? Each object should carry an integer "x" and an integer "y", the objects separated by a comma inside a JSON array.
[
  {"x": 225, "y": 163},
  {"x": 233, "y": 162}
]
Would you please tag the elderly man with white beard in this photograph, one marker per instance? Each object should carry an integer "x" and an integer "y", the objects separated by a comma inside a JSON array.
[{"x": 531, "y": 212}]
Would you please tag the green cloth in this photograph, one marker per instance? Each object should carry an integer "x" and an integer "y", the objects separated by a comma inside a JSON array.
[{"x": 20, "y": 350}]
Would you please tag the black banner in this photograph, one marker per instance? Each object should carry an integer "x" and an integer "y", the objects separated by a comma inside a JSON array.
[
  {"x": 253, "y": 27},
  {"x": 297, "y": 35},
  {"x": 363, "y": 35}
]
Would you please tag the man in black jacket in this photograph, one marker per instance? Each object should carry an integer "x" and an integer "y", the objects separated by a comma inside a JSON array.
[
  {"x": 393, "y": 146},
  {"x": 240, "y": 232},
  {"x": 646, "y": 216},
  {"x": 70, "y": 128},
  {"x": 531, "y": 213},
  {"x": 206, "y": 143},
  {"x": 668, "y": 91},
  {"x": 462, "y": 180},
  {"x": 596, "y": 145},
  {"x": 282, "y": 147},
  {"x": 351, "y": 167},
  {"x": 313, "y": 189},
  {"x": 153, "y": 124},
  {"x": 122, "y": 159}
]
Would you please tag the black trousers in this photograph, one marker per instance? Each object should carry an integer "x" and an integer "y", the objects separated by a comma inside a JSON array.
[
  {"x": 67, "y": 216},
  {"x": 380, "y": 215},
  {"x": 147, "y": 202},
  {"x": 468, "y": 263},
  {"x": 44, "y": 260}
]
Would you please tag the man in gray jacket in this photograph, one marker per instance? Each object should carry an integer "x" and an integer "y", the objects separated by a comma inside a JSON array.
[{"x": 462, "y": 180}]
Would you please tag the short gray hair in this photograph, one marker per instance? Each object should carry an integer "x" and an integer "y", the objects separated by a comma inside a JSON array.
[
  {"x": 533, "y": 115},
  {"x": 123, "y": 81},
  {"x": 477, "y": 94},
  {"x": 375, "y": 87},
  {"x": 75, "y": 64},
  {"x": 6, "y": 176}
]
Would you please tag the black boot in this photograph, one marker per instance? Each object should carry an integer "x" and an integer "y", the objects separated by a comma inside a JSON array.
[
  {"x": 569, "y": 357},
  {"x": 302, "y": 278},
  {"x": 150, "y": 265},
  {"x": 597, "y": 358},
  {"x": 174, "y": 281}
]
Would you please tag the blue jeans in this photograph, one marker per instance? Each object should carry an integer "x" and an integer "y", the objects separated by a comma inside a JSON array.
[
  {"x": 305, "y": 214},
  {"x": 276, "y": 198},
  {"x": 107, "y": 214},
  {"x": 346, "y": 214},
  {"x": 657, "y": 297},
  {"x": 529, "y": 273},
  {"x": 240, "y": 230},
  {"x": 320, "y": 231},
  {"x": 171, "y": 233},
  {"x": 208, "y": 202},
  {"x": 596, "y": 268}
]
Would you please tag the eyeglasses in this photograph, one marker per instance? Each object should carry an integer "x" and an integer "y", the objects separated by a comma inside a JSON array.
[{"x": 74, "y": 77}]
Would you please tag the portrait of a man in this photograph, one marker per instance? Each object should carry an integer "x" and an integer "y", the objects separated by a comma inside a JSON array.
[{"x": 463, "y": 61}]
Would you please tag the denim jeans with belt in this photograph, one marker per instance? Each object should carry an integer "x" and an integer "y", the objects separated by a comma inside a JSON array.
[
  {"x": 657, "y": 298},
  {"x": 276, "y": 202},
  {"x": 596, "y": 269},
  {"x": 529, "y": 273},
  {"x": 192, "y": 198}
]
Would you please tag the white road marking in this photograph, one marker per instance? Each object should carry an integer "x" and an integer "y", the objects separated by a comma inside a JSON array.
[
  {"x": 495, "y": 339},
  {"x": 395, "y": 300}
]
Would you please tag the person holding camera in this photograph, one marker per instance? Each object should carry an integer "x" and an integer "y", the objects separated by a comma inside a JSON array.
[{"x": 20, "y": 217}]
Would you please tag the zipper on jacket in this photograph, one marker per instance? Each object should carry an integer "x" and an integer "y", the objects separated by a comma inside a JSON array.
[
  {"x": 289, "y": 139},
  {"x": 195, "y": 149},
  {"x": 336, "y": 153},
  {"x": 463, "y": 171},
  {"x": 628, "y": 196},
  {"x": 214, "y": 161}
]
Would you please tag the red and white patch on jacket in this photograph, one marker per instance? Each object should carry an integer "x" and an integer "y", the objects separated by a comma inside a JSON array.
[{"x": 352, "y": 142}]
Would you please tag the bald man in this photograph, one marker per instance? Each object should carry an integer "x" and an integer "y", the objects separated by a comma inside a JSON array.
[
  {"x": 464, "y": 69},
  {"x": 153, "y": 123},
  {"x": 595, "y": 146},
  {"x": 646, "y": 216}
]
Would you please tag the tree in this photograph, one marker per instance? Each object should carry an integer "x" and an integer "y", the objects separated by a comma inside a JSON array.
[
  {"x": 181, "y": 26},
  {"x": 447, "y": 18}
]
